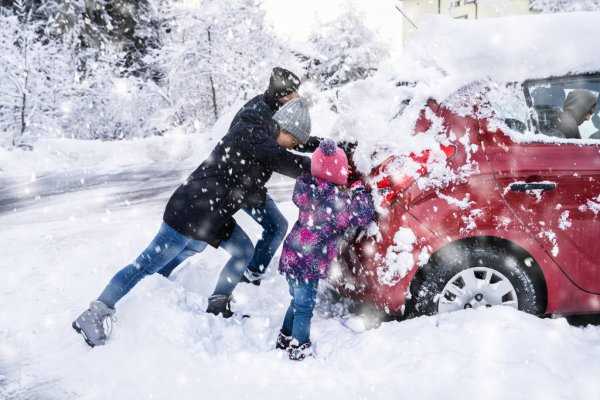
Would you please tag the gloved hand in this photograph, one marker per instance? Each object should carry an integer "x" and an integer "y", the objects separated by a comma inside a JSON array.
[{"x": 358, "y": 185}]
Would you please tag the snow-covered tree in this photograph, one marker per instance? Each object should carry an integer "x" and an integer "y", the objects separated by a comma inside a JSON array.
[
  {"x": 53, "y": 85},
  {"x": 68, "y": 70},
  {"x": 565, "y": 5},
  {"x": 213, "y": 56},
  {"x": 35, "y": 72},
  {"x": 344, "y": 50},
  {"x": 107, "y": 105}
]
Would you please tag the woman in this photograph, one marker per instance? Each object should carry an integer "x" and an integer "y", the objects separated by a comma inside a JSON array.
[{"x": 201, "y": 210}]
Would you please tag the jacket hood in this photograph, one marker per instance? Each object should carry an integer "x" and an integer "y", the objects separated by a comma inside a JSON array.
[{"x": 579, "y": 104}]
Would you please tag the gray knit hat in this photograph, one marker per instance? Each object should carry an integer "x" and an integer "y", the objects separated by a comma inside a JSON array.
[{"x": 294, "y": 118}]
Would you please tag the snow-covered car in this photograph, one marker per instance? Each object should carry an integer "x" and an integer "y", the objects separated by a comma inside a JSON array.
[{"x": 496, "y": 210}]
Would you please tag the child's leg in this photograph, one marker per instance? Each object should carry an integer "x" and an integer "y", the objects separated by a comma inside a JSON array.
[
  {"x": 165, "y": 247},
  {"x": 288, "y": 320},
  {"x": 303, "y": 304}
]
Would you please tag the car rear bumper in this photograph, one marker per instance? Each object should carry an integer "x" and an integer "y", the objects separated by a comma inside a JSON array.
[{"x": 365, "y": 275}]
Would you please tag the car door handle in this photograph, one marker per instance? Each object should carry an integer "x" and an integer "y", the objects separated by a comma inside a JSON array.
[{"x": 525, "y": 186}]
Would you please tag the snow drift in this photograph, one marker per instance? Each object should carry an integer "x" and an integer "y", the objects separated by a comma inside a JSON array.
[{"x": 58, "y": 253}]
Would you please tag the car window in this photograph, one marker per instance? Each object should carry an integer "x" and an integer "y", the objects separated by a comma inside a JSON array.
[
  {"x": 503, "y": 102},
  {"x": 554, "y": 113},
  {"x": 509, "y": 105}
]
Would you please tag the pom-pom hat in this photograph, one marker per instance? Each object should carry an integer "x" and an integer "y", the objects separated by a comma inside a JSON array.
[{"x": 330, "y": 163}]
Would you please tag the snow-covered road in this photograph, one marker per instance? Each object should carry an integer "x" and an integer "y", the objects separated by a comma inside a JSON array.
[
  {"x": 62, "y": 239},
  {"x": 128, "y": 185}
]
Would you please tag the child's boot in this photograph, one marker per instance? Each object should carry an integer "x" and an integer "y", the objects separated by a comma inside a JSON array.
[
  {"x": 95, "y": 323},
  {"x": 283, "y": 341},
  {"x": 299, "y": 352}
]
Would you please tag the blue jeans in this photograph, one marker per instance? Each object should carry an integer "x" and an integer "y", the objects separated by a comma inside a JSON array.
[
  {"x": 167, "y": 250},
  {"x": 296, "y": 322},
  {"x": 274, "y": 227}
]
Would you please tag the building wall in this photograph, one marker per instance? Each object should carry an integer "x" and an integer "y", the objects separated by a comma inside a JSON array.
[{"x": 415, "y": 10}]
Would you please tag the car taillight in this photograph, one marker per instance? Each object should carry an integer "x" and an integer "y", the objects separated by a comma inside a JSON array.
[
  {"x": 385, "y": 183},
  {"x": 449, "y": 150},
  {"x": 392, "y": 187}
]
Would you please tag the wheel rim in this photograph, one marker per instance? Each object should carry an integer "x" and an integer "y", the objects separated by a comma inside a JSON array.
[{"x": 477, "y": 287}]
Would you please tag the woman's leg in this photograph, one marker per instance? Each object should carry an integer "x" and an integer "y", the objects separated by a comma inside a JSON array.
[
  {"x": 165, "y": 247},
  {"x": 193, "y": 247},
  {"x": 174, "y": 263},
  {"x": 274, "y": 227},
  {"x": 303, "y": 304},
  {"x": 239, "y": 246}
]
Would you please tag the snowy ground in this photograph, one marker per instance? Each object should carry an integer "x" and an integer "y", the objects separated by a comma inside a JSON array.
[{"x": 60, "y": 250}]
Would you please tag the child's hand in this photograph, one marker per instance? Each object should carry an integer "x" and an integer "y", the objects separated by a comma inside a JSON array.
[{"x": 358, "y": 186}]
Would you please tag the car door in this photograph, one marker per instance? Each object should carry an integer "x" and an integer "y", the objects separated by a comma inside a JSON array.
[{"x": 554, "y": 190}]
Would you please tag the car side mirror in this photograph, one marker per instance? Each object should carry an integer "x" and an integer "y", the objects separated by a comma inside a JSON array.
[{"x": 515, "y": 124}]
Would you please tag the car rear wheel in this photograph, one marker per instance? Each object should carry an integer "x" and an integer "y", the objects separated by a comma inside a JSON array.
[{"x": 469, "y": 276}]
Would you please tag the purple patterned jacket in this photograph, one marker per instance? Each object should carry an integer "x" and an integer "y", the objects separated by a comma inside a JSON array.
[{"x": 326, "y": 211}]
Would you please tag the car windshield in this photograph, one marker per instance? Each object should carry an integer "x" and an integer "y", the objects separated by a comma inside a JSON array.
[{"x": 565, "y": 107}]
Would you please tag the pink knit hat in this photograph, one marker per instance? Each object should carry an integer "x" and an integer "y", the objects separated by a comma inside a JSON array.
[{"x": 329, "y": 163}]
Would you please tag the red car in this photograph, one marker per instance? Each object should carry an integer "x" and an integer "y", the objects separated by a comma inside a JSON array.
[{"x": 512, "y": 219}]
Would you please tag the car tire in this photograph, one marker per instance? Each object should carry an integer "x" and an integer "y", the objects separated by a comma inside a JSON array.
[{"x": 435, "y": 283}]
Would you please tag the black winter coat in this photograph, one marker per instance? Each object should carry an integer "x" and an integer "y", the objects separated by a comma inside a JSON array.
[{"x": 234, "y": 175}]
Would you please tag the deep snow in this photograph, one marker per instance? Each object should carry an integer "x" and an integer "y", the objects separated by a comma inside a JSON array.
[
  {"x": 59, "y": 249},
  {"x": 58, "y": 253}
]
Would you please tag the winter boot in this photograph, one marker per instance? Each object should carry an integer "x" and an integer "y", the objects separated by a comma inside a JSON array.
[
  {"x": 251, "y": 277},
  {"x": 220, "y": 304},
  {"x": 298, "y": 352},
  {"x": 95, "y": 324},
  {"x": 283, "y": 341}
]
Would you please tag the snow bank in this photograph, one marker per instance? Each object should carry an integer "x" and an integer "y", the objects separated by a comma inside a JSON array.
[{"x": 54, "y": 155}]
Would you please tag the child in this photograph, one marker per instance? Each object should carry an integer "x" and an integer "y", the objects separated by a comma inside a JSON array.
[{"x": 327, "y": 209}]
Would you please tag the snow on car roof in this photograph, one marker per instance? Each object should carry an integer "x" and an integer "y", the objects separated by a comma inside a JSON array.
[
  {"x": 503, "y": 49},
  {"x": 447, "y": 55}
]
